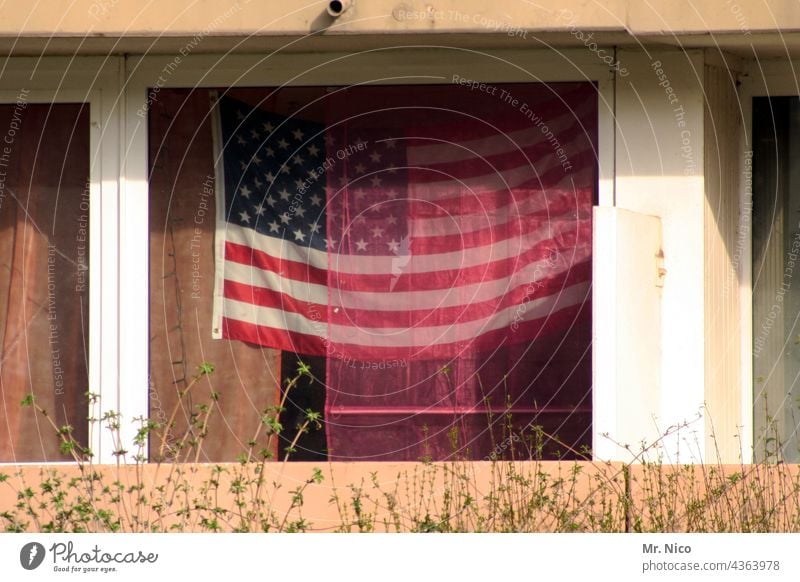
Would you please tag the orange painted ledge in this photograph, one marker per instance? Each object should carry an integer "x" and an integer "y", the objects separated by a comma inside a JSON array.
[{"x": 461, "y": 496}]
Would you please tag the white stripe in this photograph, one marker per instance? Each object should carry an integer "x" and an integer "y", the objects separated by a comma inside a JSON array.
[
  {"x": 385, "y": 265},
  {"x": 407, "y": 337},
  {"x": 404, "y": 300}
]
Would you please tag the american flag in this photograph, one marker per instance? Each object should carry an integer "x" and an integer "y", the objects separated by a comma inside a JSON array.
[{"x": 371, "y": 243}]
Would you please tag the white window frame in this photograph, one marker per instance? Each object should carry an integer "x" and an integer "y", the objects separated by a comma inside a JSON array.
[
  {"x": 93, "y": 81},
  {"x": 762, "y": 78},
  {"x": 144, "y": 76}
]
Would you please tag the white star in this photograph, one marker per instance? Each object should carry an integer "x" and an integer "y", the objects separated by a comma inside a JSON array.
[
  {"x": 255, "y": 135},
  {"x": 389, "y": 143},
  {"x": 314, "y": 228},
  {"x": 298, "y": 160},
  {"x": 391, "y": 169},
  {"x": 360, "y": 194},
  {"x": 298, "y": 134},
  {"x": 313, "y": 150},
  {"x": 239, "y": 115},
  {"x": 271, "y": 201},
  {"x": 242, "y": 165},
  {"x": 257, "y": 160},
  {"x": 359, "y": 168},
  {"x": 258, "y": 183},
  {"x": 245, "y": 192},
  {"x": 283, "y": 144},
  {"x": 240, "y": 139},
  {"x": 360, "y": 219},
  {"x": 377, "y": 232},
  {"x": 299, "y": 183},
  {"x": 284, "y": 194},
  {"x": 313, "y": 175},
  {"x": 392, "y": 193},
  {"x": 374, "y": 208},
  {"x": 245, "y": 217},
  {"x": 376, "y": 182},
  {"x": 361, "y": 245},
  {"x": 375, "y": 157},
  {"x": 394, "y": 246},
  {"x": 270, "y": 177},
  {"x": 300, "y": 211},
  {"x": 315, "y": 200},
  {"x": 259, "y": 208},
  {"x": 274, "y": 226},
  {"x": 330, "y": 243},
  {"x": 285, "y": 218},
  {"x": 329, "y": 141},
  {"x": 391, "y": 219},
  {"x": 298, "y": 235},
  {"x": 270, "y": 152},
  {"x": 268, "y": 127}
]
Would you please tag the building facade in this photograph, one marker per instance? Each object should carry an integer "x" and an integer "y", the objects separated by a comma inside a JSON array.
[{"x": 692, "y": 324}]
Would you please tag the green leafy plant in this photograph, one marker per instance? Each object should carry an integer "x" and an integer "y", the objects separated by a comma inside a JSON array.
[{"x": 174, "y": 492}]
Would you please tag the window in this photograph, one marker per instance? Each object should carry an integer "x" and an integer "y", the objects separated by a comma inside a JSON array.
[
  {"x": 433, "y": 268},
  {"x": 776, "y": 301},
  {"x": 45, "y": 276}
]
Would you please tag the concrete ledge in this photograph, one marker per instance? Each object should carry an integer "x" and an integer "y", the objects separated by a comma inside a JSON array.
[
  {"x": 123, "y": 18},
  {"x": 459, "y": 496},
  {"x": 473, "y": 496}
]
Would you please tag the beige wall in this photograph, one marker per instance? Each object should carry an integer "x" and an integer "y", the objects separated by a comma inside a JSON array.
[
  {"x": 175, "y": 17},
  {"x": 125, "y": 26},
  {"x": 725, "y": 238}
]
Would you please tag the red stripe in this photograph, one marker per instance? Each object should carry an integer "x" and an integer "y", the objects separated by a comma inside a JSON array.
[
  {"x": 409, "y": 317},
  {"x": 266, "y": 297},
  {"x": 448, "y": 278},
  {"x": 445, "y": 278},
  {"x": 298, "y": 271},
  {"x": 282, "y": 339},
  {"x": 527, "y": 331}
]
